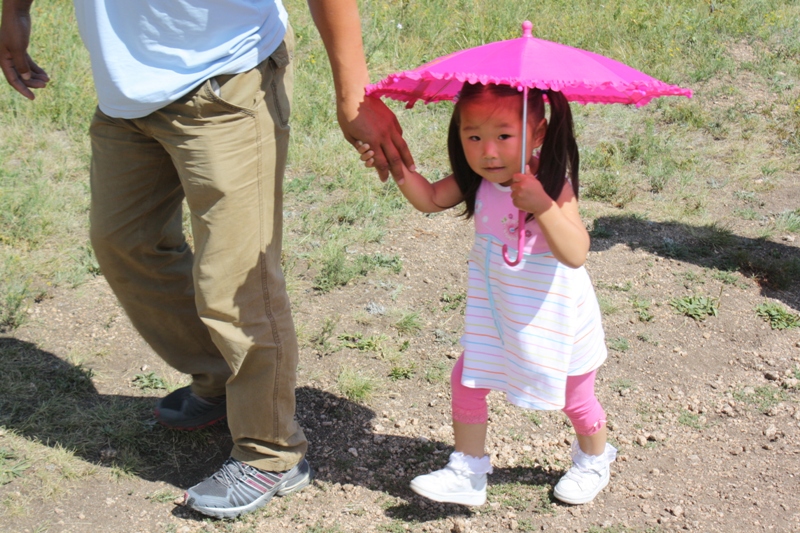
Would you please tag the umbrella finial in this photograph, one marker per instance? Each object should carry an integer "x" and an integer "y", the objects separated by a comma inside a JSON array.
[{"x": 527, "y": 27}]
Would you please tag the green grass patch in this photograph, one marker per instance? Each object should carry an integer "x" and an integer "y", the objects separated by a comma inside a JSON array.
[
  {"x": 621, "y": 384},
  {"x": 402, "y": 372},
  {"x": 778, "y": 316},
  {"x": 453, "y": 301},
  {"x": 323, "y": 339},
  {"x": 619, "y": 344},
  {"x": 438, "y": 372},
  {"x": 162, "y": 496},
  {"x": 409, "y": 324},
  {"x": 788, "y": 221},
  {"x": 764, "y": 397},
  {"x": 691, "y": 420},
  {"x": 11, "y": 466},
  {"x": 521, "y": 497},
  {"x": 149, "y": 381},
  {"x": 357, "y": 341},
  {"x": 696, "y": 306},
  {"x": 641, "y": 307},
  {"x": 355, "y": 386}
]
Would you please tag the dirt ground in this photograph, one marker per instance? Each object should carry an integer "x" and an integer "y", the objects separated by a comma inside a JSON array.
[{"x": 706, "y": 414}]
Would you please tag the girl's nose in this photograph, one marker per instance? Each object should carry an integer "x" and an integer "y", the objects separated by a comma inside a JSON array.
[{"x": 489, "y": 151}]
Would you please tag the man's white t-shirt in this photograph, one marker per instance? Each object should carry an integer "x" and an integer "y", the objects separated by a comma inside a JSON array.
[{"x": 148, "y": 53}]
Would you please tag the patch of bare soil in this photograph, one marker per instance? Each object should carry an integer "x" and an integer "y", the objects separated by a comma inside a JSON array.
[{"x": 706, "y": 414}]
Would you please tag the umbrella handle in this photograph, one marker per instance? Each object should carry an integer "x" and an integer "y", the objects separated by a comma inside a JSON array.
[
  {"x": 520, "y": 241},
  {"x": 522, "y": 214}
]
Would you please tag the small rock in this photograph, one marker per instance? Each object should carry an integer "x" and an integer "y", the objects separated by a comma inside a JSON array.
[
  {"x": 676, "y": 511},
  {"x": 771, "y": 376},
  {"x": 353, "y": 452},
  {"x": 771, "y": 433},
  {"x": 641, "y": 440},
  {"x": 375, "y": 309},
  {"x": 459, "y": 526}
]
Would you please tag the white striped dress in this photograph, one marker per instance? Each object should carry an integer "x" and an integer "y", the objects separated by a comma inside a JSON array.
[{"x": 530, "y": 326}]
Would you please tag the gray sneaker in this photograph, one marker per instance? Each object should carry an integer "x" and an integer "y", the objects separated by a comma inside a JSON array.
[
  {"x": 239, "y": 488},
  {"x": 183, "y": 409}
]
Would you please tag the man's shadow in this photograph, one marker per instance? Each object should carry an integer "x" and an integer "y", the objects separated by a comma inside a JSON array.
[
  {"x": 774, "y": 266},
  {"x": 55, "y": 403}
]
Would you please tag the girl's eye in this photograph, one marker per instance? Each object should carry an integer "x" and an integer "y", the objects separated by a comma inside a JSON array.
[
  {"x": 504, "y": 136},
  {"x": 474, "y": 138}
]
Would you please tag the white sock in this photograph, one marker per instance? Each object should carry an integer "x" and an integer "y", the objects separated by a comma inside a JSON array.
[{"x": 476, "y": 465}]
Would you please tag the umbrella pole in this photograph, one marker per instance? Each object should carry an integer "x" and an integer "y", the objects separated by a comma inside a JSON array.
[{"x": 522, "y": 214}]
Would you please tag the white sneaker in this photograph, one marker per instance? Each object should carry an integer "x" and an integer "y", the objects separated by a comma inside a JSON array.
[
  {"x": 462, "y": 481},
  {"x": 587, "y": 477}
]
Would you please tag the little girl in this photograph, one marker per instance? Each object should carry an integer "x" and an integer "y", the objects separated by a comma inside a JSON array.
[{"x": 532, "y": 330}]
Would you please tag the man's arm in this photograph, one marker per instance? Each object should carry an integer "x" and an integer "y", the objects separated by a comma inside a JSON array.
[
  {"x": 21, "y": 72},
  {"x": 361, "y": 117}
]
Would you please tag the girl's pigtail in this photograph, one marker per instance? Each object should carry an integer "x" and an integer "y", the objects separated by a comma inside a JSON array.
[{"x": 559, "y": 155}]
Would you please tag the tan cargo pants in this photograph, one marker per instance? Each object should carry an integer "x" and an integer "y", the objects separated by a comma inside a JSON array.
[{"x": 221, "y": 313}]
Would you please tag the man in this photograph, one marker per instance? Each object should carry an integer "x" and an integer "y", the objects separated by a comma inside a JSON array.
[{"x": 194, "y": 102}]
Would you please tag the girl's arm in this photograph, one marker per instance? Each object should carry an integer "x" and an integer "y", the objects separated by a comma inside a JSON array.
[
  {"x": 559, "y": 219},
  {"x": 425, "y": 196}
]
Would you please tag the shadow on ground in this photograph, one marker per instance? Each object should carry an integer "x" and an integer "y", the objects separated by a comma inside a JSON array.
[
  {"x": 50, "y": 401},
  {"x": 774, "y": 266}
]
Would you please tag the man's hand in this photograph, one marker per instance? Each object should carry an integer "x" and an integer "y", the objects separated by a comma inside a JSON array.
[
  {"x": 21, "y": 72},
  {"x": 361, "y": 117},
  {"x": 374, "y": 124}
]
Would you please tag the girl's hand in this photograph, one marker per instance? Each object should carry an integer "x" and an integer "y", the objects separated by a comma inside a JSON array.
[
  {"x": 528, "y": 193},
  {"x": 367, "y": 155}
]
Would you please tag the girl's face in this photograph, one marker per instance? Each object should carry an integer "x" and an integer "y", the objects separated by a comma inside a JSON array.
[{"x": 491, "y": 134}]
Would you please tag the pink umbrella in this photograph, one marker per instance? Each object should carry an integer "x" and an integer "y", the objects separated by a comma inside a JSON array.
[{"x": 526, "y": 63}]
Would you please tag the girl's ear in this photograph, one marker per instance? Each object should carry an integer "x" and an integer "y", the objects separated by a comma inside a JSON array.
[{"x": 539, "y": 131}]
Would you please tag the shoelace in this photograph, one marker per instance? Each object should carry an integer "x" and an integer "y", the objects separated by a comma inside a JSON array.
[{"x": 230, "y": 472}]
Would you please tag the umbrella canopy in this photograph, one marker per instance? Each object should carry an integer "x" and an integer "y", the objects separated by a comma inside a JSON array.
[
  {"x": 526, "y": 63},
  {"x": 582, "y": 76}
]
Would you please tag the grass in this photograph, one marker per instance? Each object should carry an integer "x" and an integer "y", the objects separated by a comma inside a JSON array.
[
  {"x": 402, "y": 372},
  {"x": 777, "y": 316},
  {"x": 671, "y": 162},
  {"x": 641, "y": 307},
  {"x": 696, "y": 306},
  {"x": 521, "y": 497},
  {"x": 354, "y": 385},
  {"x": 621, "y": 384},
  {"x": 691, "y": 420},
  {"x": 408, "y": 324},
  {"x": 149, "y": 381},
  {"x": 11, "y": 466},
  {"x": 764, "y": 397},
  {"x": 357, "y": 341},
  {"x": 657, "y": 151},
  {"x": 619, "y": 344}
]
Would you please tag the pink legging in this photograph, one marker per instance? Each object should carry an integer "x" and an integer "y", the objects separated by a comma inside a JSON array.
[{"x": 581, "y": 405}]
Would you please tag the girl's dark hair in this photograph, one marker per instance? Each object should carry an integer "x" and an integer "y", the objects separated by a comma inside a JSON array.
[{"x": 559, "y": 154}]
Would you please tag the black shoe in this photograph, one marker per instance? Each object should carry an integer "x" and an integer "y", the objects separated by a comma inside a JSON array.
[
  {"x": 183, "y": 409},
  {"x": 239, "y": 488}
]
